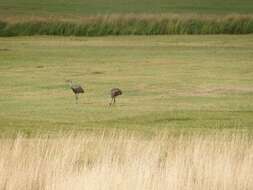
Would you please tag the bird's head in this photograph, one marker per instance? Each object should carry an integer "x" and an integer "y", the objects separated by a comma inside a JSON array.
[{"x": 69, "y": 82}]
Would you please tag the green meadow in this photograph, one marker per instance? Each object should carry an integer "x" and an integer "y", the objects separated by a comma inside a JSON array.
[
  {"x": 87, "y": 7},
  {"x": 168, "y": 82},
  {"x": 184, "y": 120},
  {"x": 125, "y": 17}
]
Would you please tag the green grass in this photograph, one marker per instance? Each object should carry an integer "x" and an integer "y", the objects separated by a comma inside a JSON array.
[
  {"x": 125, "y": 17},
  {"x": 87, "y": 7},
  {"x": 128, "y": 24},
  {"x": 168, "y": 82}
]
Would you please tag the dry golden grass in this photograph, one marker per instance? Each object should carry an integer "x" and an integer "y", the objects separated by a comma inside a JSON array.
[{"x": 123, "y": 161}]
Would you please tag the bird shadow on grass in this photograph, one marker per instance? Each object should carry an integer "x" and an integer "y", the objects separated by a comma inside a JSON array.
[
  {"x": 40, "y": 66},
  {"x": 97, "y": 73},
  {"x": 172, "y": 119},
  {"x": 117, "y": 105},
  {"x": 4, "y": 49}
]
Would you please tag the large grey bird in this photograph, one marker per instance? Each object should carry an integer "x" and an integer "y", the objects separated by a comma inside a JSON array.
[
  {"x": 77, "y": 89},
  {"x": 114, "y": 93}
]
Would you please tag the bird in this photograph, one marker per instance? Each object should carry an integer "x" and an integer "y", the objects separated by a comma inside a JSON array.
[
  {"x": 114, "y": 93},
  {"x": 77, "y": 89}
]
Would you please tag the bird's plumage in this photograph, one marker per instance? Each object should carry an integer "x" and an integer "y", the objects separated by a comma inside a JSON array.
[
  {"x": 115, "y": 92},
  {"x": 77, "y": 89}
]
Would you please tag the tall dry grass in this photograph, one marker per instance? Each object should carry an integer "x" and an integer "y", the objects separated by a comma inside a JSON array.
[
  {"x": 121, "y": 162},
  {"x": 127, "y": 24}
]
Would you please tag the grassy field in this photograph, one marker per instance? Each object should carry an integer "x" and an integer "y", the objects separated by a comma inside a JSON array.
[
  {"x": 184, "y": 121},
  {"x": 87, "y": 7},
  {"x": 168, "y": 82},
  {"x": 219, "y": 161}
]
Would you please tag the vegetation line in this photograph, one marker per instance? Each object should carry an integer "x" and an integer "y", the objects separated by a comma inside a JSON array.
[{"x": 128, "y": 24}]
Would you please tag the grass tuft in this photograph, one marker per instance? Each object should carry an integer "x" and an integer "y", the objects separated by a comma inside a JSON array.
[{"x": 129, "y": 24}]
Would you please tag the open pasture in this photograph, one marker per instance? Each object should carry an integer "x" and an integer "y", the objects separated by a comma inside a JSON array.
[
  {"x": 94, "y": 7},
  {"x": 167, "y": 82},
  {"x": 183, "y": 122}
]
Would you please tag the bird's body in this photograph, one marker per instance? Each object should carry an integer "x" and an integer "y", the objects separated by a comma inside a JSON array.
[
  {"x": 77, "y": 89},
  {"x": 114, "y": 93}
]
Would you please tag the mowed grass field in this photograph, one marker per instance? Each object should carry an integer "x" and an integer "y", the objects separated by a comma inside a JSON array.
[
  {"x": 168, "y": 82},
  {"x": 87, "y": 7},
  {"x": 184, "y": 121}
]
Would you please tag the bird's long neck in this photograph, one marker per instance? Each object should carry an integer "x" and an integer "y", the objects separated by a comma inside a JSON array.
[{"x": 70, "y": 84}]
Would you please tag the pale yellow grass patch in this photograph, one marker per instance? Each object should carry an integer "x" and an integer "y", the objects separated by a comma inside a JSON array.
[
  {"x": 218, "y": 91},
  {"x": 123, "y": 161}
]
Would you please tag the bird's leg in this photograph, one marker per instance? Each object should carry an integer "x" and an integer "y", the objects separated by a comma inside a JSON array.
[
  {"x": 76, "y": 98},
  {"x": 111, "y": 102},
  {"x": 114, "y": 100}
]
